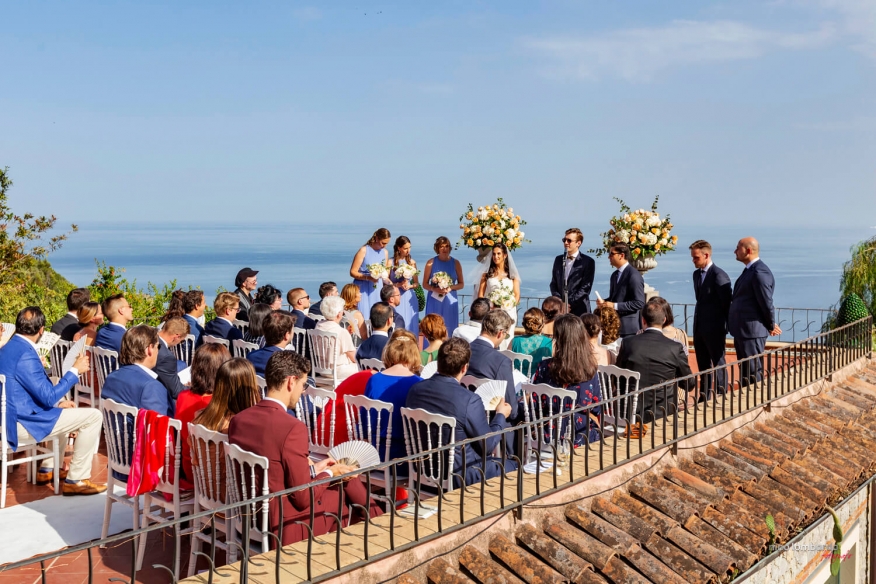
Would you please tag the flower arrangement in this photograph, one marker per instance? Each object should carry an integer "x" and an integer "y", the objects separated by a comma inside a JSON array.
[
  {"x": 406, "y": 272},
  {"x": 491, "y": 225},
  {"x": 442, "y": 280},
  {"x": 502, "y": 296},
  {"x": 378, "y": 271},
  {"x": 646, "y": 233}
]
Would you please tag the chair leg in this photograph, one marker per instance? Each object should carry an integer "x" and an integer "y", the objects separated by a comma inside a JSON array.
[
  {"x": 231, "y": 549},
  {"x": 3, "y": 473},
  {"x": 108, "y": 506},
  {"x": 141, "y": 549},
  {"x": 195, "y": 548},
  {"x": 59, "y": 459}
]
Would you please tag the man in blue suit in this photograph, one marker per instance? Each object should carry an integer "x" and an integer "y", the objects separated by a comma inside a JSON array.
[
  {"x": 627, "y": 290},
  {"x": 135, "y": 383},
  {"x": 34, "y": 409},
  {"x": 195, "y": 305},
  {"x": 167, "y": 366},
  {"x": 488, "y": 363},
  {"x": 372, "y": 347},
  {"x": 713, "y": 292},
  {"x": 299, "y": 300},
  {"x": 222, "y": 326},
  {"x": 277, "y": 328},
  {"x": 443, "y": 394},
  {"x": 119, "y": 313},
  {"x": 573, "y": 273},
  {"x": 752, "y": 317}
]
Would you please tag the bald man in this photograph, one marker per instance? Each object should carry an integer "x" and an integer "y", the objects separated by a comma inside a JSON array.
[{"x": 752, "y": 317}]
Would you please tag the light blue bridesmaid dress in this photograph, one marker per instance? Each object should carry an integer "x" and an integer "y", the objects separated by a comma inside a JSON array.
[
  {"x": 409, "y": 308},
  {"x": 370, "y": 291},
  {"x": 449, "y": 308}
]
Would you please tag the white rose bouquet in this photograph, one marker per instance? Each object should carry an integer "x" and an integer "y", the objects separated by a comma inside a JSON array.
[
  {"x": 487, "y": 226},
  {"x": 378, "y": 271},
  {"x": 646, "y": 232},
  {"x": 502, "y": 296},
  {"x": 406, "y": 272},
  {"x": 443, "y": 282}
]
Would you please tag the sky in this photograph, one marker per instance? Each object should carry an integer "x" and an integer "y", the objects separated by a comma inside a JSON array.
[{"x": 736, "y": 112}]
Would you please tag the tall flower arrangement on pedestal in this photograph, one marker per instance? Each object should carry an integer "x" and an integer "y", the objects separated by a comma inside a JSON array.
[
  {"x": 485, "y": 227},
  {"x": 646, "y": 232}
]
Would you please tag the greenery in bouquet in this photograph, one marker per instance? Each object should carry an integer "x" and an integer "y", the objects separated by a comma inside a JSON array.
[
  {"x": 488, "y": 226},
  {"x": 646, "y": 232}
]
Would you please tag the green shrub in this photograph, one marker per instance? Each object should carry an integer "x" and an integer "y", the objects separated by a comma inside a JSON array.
[{"x": 148, "y": 305}]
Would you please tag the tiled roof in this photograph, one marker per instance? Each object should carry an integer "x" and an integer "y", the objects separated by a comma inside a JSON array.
[{"x": 701, "y": 521}]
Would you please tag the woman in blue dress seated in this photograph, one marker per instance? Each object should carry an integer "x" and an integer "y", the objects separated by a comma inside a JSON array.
[
  {"x": 573, "y": 367},
  {"x": 442, "y": 301},
  {"x": 373, "y": 252},
  {"x": 409, "y": 306}
]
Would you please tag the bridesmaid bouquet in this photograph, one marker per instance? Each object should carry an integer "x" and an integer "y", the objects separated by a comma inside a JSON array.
[
  {"x": 502, "y": 296},
  {"x": 378, "y": 271},
  {"x": 406, "y": 272},
  {"x": 488, "y": 226},
  {"x": 442, "y": 281}
]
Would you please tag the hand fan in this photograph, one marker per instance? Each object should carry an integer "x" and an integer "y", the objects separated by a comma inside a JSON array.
[
  {"x": 356, "y": 453},
  {"x": 429, "y": 370},
  {"x": 8, "y": 331},
  {"x": 75, "y": 350},
  {"x": 519, "y": 377},
  {"x": 491, "y": 392},
  {"x": 47, "y": 341}
]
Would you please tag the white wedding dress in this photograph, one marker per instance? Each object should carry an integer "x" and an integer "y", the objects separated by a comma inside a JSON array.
[{"x": 492, "y": 284}]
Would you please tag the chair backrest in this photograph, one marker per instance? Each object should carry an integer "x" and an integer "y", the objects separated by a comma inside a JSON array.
[
  {"x": 349, "y": 321},
  {"x": 543, "y": 401},
  {"x": 616, "y": 383},
  {"x": 425, "y": 431},
  {"x": 365, "y": 417},
  {"x": 120, "y": 431},
  {"x": 240, "y": 348},
  {"x": 218, "y": 341},
  {"x": 56, "y": 356},
  {"x": 320, "y": 432},
  {"x": 247, "y": 479},
  {"x": 86, "y": 389},
  {"x": 316, "y": 317},
  {"x": 520, "y": 362},
  {"x": 8, "y": 331},
  {"x": 472, "y": 383},
  {"x": 368, "y": 328},
  {"x": 168, "y": 481},
  {"x": 263, "y": 384},
  {"x": 298, "y": 342},
  {"x": 429, "y": 370},
  {"x": 3, "y": 441},
  {"x": 323, "y": 353},
  {"x": 208, "y": 464},
  {"x": 240, "y": 325},
  {"x": 185, "y": 350},
  {"x": 372, "y": 364},
  {"x": 104, "y": 361}
]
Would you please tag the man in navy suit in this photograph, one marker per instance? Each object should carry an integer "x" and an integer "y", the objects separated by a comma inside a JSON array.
[
  {"x": 68, "y": 325},
  {"x": 713, "y": 292},
  {"x": 325, "y": 289},
  {"x": 135, "y": 383},
  {"x": 392, "y": 297},
  {"x": 195, "y": 305},
  {"x": 627, "y": 292},
  {"x": 372, "y": 347},
  {"x": 34, "y": 409},
  {"x": 443, "y": 394},
  {"x": 119, "y": 313},
  {"x": 488, "y": 363},
  {"x": 277, "y": 328},
  {"x": 752, "y": 317},
  {"x": 299, "y": 301},
  {"x": 168, "y": 366},
  {"x": 573, "y": 273},
  {"x": 222, "y": 326}
]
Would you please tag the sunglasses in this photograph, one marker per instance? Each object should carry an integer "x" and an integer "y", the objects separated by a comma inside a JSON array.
[{"x": 567, "y": 240}]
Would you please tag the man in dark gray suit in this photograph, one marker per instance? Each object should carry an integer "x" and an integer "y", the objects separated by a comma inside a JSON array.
[
  {"x": 713, "y": 292},
  {"x": 752, "y": 317},
  {"x": 627, "y": 292},
  {"x": 68, "y": 325}
]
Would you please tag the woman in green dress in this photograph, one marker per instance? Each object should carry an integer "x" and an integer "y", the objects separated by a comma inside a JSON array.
[
  {"x": 533, "y": 342},
  {"x": 433, "y": 329}
]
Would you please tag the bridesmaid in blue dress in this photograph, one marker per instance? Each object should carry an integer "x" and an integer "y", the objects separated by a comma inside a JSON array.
[
  {"x": 372, "y": 252},
  {"x": 409, "y": 307},
  {"x": 448, "y": 308}
]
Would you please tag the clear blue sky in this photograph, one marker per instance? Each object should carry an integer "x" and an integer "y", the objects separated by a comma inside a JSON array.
[{"x": 740, "y": 112}]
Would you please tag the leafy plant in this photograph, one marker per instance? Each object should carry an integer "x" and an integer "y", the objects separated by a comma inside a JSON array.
[
  {"x": 771, "y": 525},
  {"x": 859, "y": 273},
  {"x": 421, "y": 298},
  {"x": 148, "y": 305},
  {"x": 836, "y": 556}
]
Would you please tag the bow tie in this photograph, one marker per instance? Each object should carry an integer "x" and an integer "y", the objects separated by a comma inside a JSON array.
[{"x": 571, "y": 258}]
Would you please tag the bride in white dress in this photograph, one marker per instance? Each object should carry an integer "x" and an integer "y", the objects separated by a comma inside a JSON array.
[{"x": 501, "y": 285}]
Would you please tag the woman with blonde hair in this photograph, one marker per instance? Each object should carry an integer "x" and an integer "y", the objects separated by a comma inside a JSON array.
[
  {"x": 433, "y": 330},
  {"x": 373, "y": 252},
  {"x": 90, "y": 317},
  {"x": 352, "y": 296},
  {"x": 235, "y": 390}
]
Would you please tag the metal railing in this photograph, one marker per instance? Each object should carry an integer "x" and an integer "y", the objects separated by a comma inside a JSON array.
[{"x": 747, "y": 384}]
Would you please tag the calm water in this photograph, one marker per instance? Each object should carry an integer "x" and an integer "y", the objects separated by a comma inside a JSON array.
[{"x": 806, "y": 263}]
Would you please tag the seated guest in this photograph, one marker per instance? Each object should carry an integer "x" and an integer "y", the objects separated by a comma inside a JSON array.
[
  {"x": 351, "y": 295},
  {"x": 222, "y": 326},
  {"x": 174, "y": 306},
  {"x": 594, "y": 328},
  {"x": 325, "y": 289},
  {"x": 299, "y": 301},
  {"x": 551, "y": 307},
  {"x": 167, "y": 367},
  {"x": 402, "y": 360},
  {"x": 277, "y": 326},
  {"x": 191, "y": 401},
  {"x": 35, "y": 408},
  {"x": 135, "y": 383},
  {"x": 470, "y": 330},
  {"x": 610, "y": 323},
  {"x": 333, "y": 310},
  {"x": 533, "y": 342},
  {"x": 488, "y": 363},
  {"x": 443, "y": 394},
  {"x": 90, "y": 317},
  {"x": 194, "y": 305},
  {"x": 269, "y": 295},
  {"x": 119, "y": 313},
  {"x": 434, "y": 330},
  {"x": 658, "y": 360},
  {"x": 391, "y": 295},
  {"x": 267, "y": 430},
  {"x": 255, "y": 332},
  {"x": 235, "y": 390},
  {"x": 245, "y": 283},
  {"x": 669, "y": 331},
  {"x": 372, "y": 347},
  {"x": 573, "y": 367},
  {"x": 68, "y": 325}
]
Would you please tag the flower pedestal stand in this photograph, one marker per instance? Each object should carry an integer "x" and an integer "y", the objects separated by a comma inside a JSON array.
[{"x": 643, "y": 265}]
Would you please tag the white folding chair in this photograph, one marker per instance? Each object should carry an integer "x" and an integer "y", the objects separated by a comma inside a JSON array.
[
  {"x": 248, "y": 479},
  {"x": 8, "y": 331},
  {"x": 32, "y": 449},
  {"x": 321, "y": 439},
  {"x": 316, "y": 317},
  {"x": 520, "y": 362},
  {"x": 372, "y": 364},
  {"x": 324, "y": 354},
  {"x": 472, "y": 383},
  {"x": 349, "y": 321},
  {"x": 240, "y": 348},
  {"x": 430, "y": 369},
  {"x": 217, "y": 340},
  {"x": 56, "y": 358},
  {"x": 104, "y": 362},
  {"x": 368, "y": 328},
  {"x": 298, "y": 342},
  {"x": 262, "y": 383},
  {"x": 120, "y": 432},
  {"x": 240, "y": 325},
  {"x": 425, "y": 432},
  {"x": 185, "y": 350},
  {"x": 616, "y": 384},
  {"x": 365, "y": 416},
  {"x": 208, "y": 466},
  {"x": 85, "y": 391},
  {"x": 543, "y": 401}
]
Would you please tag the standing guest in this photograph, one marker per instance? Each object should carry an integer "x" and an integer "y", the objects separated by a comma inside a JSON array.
[
  {"x": 299, "y": 302},
  {"x": 552, "y": 307},
  {"x": 392, "y": 297},
  {"x": 594, "y": 329},
  {"x": 713, "y": 294},
  {"x": 573, "y": 367},
  {"x": 225, "y": 306},
  {"x": 36, "y": 410},
  {"x": 372, "y": 347},
  {"x": 68, "y": 325},
  {"x": 325, "y": 289},
  {"x": 487, "y": 362},
  {"x": 119, "y": 313},
  {"x": 533, "y": 342},
  {"x": 435, "y": 333},
  {"x": 572, "y": 274},
  {"x": 442, "y": 301},
  {"x": 277, "y": 326},
  {"x": 444, "y": 394},
  {"x": 255, "y": 332},
  {"x": 245, "y": 283},
  {"x": 175, "y": 306},
  {"x": 90, "y": 317},
  {"x": 352, "y": 296},
  {"x": 472, "y": 329},
  {"x": 194, "y": 305},
  {"x": 235, "y": 390},
  {"x": 373, "y": 252},
  {"x": 333, "y": 311},
  {"x": 269, "y": 295},
  {"x": 409, "y": 304},
  {"x": 135, "y": 383},
  {"x": 751, "y": 317},
  {"x": 627, "y": 292},
  {"x": 670, "y": 331},
  {"x": 167, "y": 367},
  {"x": 402, "y": 360},
  {"x": 267, "y": 430}
]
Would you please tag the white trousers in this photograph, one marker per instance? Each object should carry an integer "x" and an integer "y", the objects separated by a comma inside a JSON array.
[{"x": 87, "y": 422}]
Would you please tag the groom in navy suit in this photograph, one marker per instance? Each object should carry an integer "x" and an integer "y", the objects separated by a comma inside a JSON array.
[
  {"x": 572, "y": 275},
  {"x": 627, "y": 292},
  {"x": 713, "y": 292},
  {"x": 752, "y": 317}
]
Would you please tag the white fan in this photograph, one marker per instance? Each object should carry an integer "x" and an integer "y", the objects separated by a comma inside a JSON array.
[
  {"x": 491, "y": 392},
  {"x": 356, "y": 453},
  {"x": 8, "y": 331},
  {"x": 519, "y": 377},
  {"x": 75, "y": 350},
  {"x": 47, "y": 341},
  {"x": 429, "y": 370}
]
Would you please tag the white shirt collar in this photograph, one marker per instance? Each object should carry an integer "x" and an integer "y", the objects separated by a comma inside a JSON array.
[
  {"x": 275, "y": 400},
  {"x": 621, "y": 269},
  {"x": 163, "y": 342},
  {"x": 73, "y": 314},
  {"x": 574, "y": 256},
  {"x": 749, "y": 264},
  {"x": 380, "y": 333},
  {"x": 119, "y": 325},
  {"x": 474, "y": 324},
  {"x": 706, "y": 269},
  {"x": 655, "y": 328},
  {"x": 151, "y": 373}
]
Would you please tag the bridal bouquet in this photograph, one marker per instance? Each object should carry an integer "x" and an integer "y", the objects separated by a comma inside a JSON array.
[
  {"x": 502, "y": 296},
  {"x": 378, "y": 271},
  {"x": 406, "y": 272},
  {"x": 646, "y": 233},
  {"x": 487, "y": 226}
]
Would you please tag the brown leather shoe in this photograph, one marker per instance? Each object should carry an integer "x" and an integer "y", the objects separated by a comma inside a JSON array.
[
  {"x": 83, "y": 487},
  {"x": 43, "y": 478}
]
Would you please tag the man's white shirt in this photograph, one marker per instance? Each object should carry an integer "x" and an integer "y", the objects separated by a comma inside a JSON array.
[{"x": 468, "y": 331}]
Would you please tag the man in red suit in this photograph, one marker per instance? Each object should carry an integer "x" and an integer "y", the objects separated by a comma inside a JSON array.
[{"x": 268, "y": 430}]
